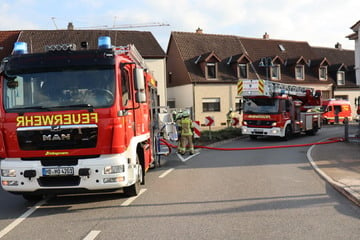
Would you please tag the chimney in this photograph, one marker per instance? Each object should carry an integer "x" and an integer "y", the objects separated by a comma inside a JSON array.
[
  {"x": 266, "y": 36},
  {"x": 338, "y": 46},
  {"x": 70, "y": 26},
  {"x": 199, "y": 30}
]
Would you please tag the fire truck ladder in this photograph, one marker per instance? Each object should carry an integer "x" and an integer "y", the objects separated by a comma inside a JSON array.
[{"x": 132, "y": 52}]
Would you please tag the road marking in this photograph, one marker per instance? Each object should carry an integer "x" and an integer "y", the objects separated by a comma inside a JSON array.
[
  {"x": 130, "y": 200},
  {"x": 16, "y": 222},
  {"x": 189, "y": 157},
  {"x": 92, "y": 235},
  {"x": 166, "y": 173}
]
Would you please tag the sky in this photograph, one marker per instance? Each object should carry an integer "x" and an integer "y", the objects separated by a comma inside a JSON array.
[{"x": 321, "y": 23}]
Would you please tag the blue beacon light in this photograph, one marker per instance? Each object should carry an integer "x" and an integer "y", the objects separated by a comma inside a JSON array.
[
  {"x": 20, "y": 48},
  {"x": 104, "y": 42}
]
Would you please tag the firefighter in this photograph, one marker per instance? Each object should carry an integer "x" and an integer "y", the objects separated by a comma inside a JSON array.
[
  {"x": 229, "y": 117},
  {"x": 186, "y": 128}
]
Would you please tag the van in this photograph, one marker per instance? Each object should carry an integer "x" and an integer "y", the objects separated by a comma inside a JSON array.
[{"x": 335, "y": 111}]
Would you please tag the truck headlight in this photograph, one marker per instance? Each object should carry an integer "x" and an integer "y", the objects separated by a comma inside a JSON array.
[
  {"x": 273, "y": 124},
  {"x": 8, "y": 172},
  {"x": 114, "y": 169}
]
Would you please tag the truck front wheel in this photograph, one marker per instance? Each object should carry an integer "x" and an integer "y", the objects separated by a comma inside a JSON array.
[
  {"x": 288, "y": 133},
  {"x": 133, "y": 190}
]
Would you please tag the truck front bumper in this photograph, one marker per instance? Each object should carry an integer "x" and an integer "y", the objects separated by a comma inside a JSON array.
[
  {"x": 106, "y": 172},
  {"x": 274, "y": 131}
]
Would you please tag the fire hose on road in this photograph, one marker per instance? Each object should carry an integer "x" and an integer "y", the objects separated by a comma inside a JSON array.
[{"x": 330, "y": 140}]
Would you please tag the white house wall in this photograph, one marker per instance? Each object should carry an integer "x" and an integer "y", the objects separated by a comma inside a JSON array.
[
  {"x": 183, "y": 96},
  {"x": 158, "y": 68},
  {"x": 228, "y": 97}
]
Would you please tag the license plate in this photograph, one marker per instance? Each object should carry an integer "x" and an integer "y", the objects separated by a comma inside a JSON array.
[{"x": 58, "y": 171}]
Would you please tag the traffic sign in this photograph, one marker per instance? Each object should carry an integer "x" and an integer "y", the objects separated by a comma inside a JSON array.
[
  {"x": 197, "y": 129},
  {"x": 234, "y": 122},
  {"x": 209, "y": 121}
]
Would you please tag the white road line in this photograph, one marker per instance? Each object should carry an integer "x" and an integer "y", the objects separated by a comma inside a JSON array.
[
  {"x": 189, "y": 157},
  {"x": 92, "y": 235},
  {"x": 166, "y": 173},
  {"x": 16, "y": 222},
  {"x": 130, "y": 200}
]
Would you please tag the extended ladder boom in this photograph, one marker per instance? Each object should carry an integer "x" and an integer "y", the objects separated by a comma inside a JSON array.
[{"x": 267, "y": 88}]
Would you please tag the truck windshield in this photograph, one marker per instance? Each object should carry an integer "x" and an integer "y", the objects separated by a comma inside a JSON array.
[
  {"x": 45, "y": 91},
  {"x": 261, "y": 105}
]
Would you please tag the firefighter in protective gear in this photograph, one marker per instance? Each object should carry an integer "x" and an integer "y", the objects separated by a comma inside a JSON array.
[{"x": 186, "y": 127}]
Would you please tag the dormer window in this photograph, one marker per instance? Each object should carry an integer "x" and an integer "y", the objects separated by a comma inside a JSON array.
[
  {"x": 299, "y": 72},
  {"x": 211, "y": 70},
  {"x": 340, "y": 78},
  {"x": 323, "y": 75},
  {"x": 243, "y": 70},
  {"x": 275, "y": 72}
]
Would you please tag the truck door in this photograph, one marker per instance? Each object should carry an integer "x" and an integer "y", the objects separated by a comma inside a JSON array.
[{"x": 127, "y": 105}]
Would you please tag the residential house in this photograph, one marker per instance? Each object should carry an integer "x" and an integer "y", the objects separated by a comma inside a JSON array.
[
  {"x": 145, "y": 42},
  {"x": 203, "y": 69}
]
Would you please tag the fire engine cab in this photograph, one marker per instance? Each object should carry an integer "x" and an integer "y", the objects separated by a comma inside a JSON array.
[
  {"x": 277, "y": 109},
  {"x": 76, "y": 120}
]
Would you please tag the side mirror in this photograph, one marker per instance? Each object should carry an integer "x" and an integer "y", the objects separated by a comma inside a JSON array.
[{"x": 139, "y": 79}]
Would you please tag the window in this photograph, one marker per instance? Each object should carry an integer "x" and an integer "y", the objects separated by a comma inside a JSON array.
[
  {"x": 323, "y": 73},
  {"x": 211, "y": 104},
  {"x": 210, "y": 70},
  {"x": 125, "y": 87},
  {"x": 340, "y": 76},
  {"x": 243, "y": 70},
  {"x": 299, "y": 72},
  {"x": 275, "y": 72},
  {"x": 171, "y": 103}
]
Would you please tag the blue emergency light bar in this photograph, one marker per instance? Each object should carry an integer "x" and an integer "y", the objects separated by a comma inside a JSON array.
[
  {"x": 20, "y": 48},
  {"x": 104, "y": 42}
]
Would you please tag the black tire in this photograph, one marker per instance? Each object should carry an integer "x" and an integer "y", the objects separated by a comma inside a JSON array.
[
  {"x": 288, "y": 133},
  {"x": 133, "y": 190},
  {"x": 32, "y": 197},
  {"x": 313, "y": 131}
]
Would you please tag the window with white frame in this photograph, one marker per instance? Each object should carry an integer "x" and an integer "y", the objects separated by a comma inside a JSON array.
[
  {"x": 211, "y": 71},
  {"x": 323, "y": 73},
  {"x": 299, "y": 72},
  {"x": 340, "y": 77},
  {"x": 243, "y": 70},
  {"x": 211, "y": 104},
  {"x": 275, "y": 72}
]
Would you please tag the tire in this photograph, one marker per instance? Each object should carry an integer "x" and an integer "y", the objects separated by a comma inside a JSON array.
[
  {"x": 288, "y": 133},
  {"x": 133, "y": 190},
  {"x": 313, "y": 131},
  {"x": 32, "y": 197}
]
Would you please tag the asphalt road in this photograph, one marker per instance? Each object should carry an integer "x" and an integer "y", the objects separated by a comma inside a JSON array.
[{"x": 255, "y": 194}]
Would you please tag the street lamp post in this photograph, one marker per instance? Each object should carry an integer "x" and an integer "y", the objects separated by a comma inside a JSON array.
[{"x": 266, "y": 62}]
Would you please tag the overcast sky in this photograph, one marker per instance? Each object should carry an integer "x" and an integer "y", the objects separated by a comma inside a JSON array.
[{"x": 319, "y": 22}]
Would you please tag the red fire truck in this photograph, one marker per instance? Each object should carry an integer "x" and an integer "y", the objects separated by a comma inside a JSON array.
[
  {"x": 76, "y": 120},
  {"x": 277, "y": 109}
]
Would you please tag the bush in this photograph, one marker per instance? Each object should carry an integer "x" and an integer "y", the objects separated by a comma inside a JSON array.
[{"x": 218, "y": 135}]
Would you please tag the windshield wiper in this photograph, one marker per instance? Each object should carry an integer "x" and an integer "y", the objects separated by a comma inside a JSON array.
[
  {"x": 30, "y": 107},
  {"x": 81, "y": 105}
]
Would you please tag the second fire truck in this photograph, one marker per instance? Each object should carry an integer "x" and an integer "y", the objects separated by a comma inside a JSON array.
[{"x": 277, "y": 109}]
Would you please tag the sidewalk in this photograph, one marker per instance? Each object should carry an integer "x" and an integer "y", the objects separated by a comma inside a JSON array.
[{"x": 339, "y": 164}]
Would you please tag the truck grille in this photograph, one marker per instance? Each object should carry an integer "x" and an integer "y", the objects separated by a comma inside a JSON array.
[
  {"x": 259, "y": 123},
  {"x": 59, "y": 181},
  {"x": 57, "y": 137}
]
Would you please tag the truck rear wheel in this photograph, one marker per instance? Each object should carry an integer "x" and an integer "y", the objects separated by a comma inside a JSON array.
[{"x": 133, "y": 190}]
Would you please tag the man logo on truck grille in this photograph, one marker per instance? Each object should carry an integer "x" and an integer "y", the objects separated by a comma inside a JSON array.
[{"x": 56, "y": 137}]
